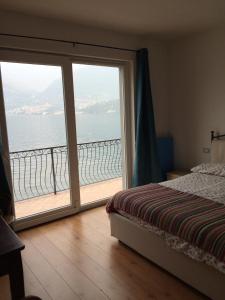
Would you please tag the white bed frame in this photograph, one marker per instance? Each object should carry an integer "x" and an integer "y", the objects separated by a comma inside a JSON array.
[{"x": 202, "y": 277}]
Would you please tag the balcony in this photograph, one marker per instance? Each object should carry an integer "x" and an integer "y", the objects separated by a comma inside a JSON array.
[{"x": 41, "y": 181}]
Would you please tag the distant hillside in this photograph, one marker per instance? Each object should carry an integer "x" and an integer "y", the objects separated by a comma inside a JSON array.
[
  {"x": 15, "y": 98},
  {"x": 95, "y": 92}
]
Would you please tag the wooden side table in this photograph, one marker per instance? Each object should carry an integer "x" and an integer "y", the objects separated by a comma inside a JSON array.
[
  {"x": 176, "y": 173},
  {"x": 10, "y": 260}
]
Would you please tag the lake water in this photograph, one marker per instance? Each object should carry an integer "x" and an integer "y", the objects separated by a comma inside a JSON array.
[{"x": 40, "y": 131}]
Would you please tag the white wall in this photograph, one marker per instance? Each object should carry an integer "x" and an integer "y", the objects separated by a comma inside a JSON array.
[
  {"x": 187, "y": 76},
  {"x": 26, "y": 25},
  {"x": 197, "y": 94}
]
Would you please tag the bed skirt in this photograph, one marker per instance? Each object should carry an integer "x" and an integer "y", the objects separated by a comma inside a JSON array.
[{"x": 200, "y": 276}]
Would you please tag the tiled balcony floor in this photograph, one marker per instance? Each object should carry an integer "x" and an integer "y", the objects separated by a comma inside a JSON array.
[{"x": 89, "y": 193}]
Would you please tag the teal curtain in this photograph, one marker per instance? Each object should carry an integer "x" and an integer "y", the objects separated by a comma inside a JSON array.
[
  {"x": 146, "y": 164},
  {"x": 5, "y": 194}
]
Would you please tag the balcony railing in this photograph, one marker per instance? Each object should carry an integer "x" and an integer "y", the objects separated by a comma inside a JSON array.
[{"x": 43, "y": 171}]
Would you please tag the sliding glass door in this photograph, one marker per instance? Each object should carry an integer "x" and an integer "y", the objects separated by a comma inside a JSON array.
[
  {"x": 62, "y": 132},
  {"x": 98, "y": 123},
  {"x": 35, "y": 116}
]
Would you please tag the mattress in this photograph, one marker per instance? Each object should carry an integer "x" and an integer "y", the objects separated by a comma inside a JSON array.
[{"x": 202, "y": 185}]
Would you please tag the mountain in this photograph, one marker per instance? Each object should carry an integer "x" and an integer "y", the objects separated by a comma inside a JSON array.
[
  {"x": 96, "y": 91},
  {"x": 15, "y": 98}
]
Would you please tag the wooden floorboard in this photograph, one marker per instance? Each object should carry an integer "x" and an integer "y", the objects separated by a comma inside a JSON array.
[
  {"x": 76, "y": 258},
  {"x": 33, "y": 285}
]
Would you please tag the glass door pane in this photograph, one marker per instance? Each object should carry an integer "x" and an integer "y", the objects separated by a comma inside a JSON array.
[
  {"x": 34, "y": 105},
  {"x": 98, "y": 124}
]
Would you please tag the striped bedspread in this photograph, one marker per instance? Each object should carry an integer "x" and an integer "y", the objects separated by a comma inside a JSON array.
[{"x": 199, "y": 221}]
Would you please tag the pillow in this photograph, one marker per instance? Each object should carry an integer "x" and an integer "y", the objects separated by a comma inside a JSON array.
[{"x": 210, "y": 168}]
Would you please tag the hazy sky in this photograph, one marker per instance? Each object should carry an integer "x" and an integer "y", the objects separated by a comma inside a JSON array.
[
  {"x": 28, "y": 76},
  {"x": 33, "y": 77}
]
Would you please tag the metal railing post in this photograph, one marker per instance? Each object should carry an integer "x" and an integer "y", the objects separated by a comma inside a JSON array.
[{"x": 53, "y": 171}]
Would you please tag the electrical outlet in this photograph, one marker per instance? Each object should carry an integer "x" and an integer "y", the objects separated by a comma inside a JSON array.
[{"x": 206, "y": 150}]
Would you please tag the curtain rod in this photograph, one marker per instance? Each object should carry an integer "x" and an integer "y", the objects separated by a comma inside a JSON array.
[{"x": 67, "y": 41}]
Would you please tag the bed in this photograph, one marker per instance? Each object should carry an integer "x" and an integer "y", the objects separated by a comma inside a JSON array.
[{"x": 179, "y": 224}]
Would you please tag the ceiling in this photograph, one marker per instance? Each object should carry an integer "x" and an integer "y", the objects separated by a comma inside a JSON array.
[{"x": 133, "y": 16}]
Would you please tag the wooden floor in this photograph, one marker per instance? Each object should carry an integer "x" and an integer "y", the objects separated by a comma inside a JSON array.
[
  {"x": 75, "y": 258},
  {"x": 88, "y": 193}
]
